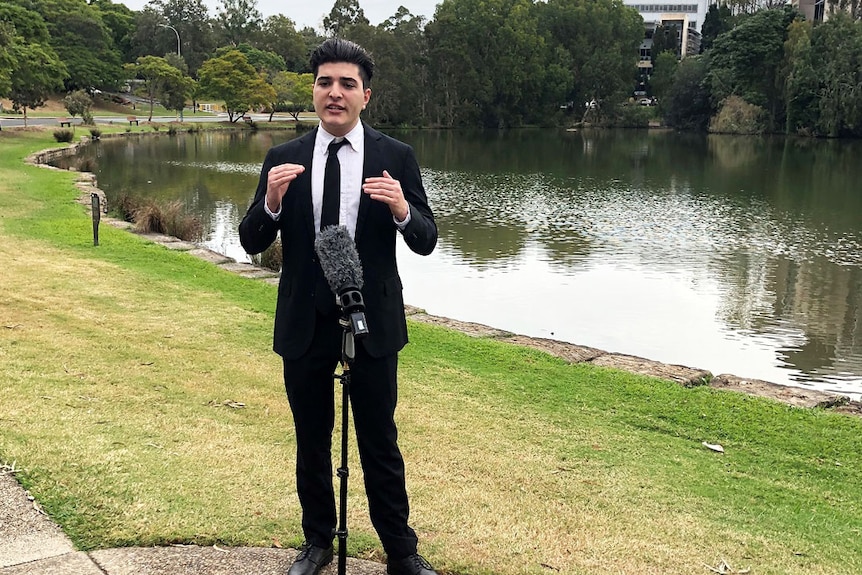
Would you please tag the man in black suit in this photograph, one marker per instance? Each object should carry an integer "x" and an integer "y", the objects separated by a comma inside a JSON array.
[{"x": 381, "y": 196}]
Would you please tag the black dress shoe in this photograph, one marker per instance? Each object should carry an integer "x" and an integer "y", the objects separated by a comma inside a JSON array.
[
  {"x": 311, "y": 560},
  {"x": 411, "y": 565}
]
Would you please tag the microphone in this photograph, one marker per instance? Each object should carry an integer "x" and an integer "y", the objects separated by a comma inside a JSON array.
[{"x": 342, "y": 270}]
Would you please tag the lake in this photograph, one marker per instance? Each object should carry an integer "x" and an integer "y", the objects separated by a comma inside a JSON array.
[{"x": 734, "y": 254}]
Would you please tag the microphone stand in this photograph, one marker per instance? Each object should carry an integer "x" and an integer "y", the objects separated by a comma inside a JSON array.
[{"x": 348, "y": 352}]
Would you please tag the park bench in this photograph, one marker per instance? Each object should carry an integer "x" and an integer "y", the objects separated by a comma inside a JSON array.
[
  {"x": 247, "y": 119},
  {"x": 65, "y": 122},
  {"x": 132, "y": 120}
]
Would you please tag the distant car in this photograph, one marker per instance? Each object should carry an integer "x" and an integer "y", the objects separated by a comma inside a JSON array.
[{"x": 646, "y": 101}]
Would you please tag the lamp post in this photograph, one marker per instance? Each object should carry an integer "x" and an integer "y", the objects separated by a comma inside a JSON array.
[{"x": 175, "y": 32}]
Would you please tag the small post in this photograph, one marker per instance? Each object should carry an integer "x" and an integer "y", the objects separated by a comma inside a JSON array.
[{"x": 97, "y": 214}]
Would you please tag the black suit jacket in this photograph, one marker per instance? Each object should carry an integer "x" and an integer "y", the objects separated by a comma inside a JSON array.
[{"x": 375, "y": 237}]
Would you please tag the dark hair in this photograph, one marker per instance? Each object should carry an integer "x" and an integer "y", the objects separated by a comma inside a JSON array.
[{"x": 340, "y": 50}]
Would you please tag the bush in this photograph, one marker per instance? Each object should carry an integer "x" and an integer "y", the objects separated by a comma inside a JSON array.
[
  {"x": 172, "y": 130},
  {"x": 95, "y": 133},
  {"x": 64, "y": 135},
  {"x": 151, "y": 217},
  {"x": 170, "y": 219},
  {"x": 736, "y": 116}
]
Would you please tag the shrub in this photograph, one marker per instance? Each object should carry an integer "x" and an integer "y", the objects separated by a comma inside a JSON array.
[
  {"x": 95, "y": 133},
  {"x": 149, "y": 216},
  {"x": 736, "y": 116},
  {"x": 64, "y": 135},
  {"x": 172, "y": 130},
  {"x": 170, "y": 219}
]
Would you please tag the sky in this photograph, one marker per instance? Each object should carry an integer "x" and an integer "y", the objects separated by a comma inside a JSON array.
[{"x": 311, "y": 13}]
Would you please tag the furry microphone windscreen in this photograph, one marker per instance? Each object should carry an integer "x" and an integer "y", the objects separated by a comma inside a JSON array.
[{"x": 338, "y": 259}]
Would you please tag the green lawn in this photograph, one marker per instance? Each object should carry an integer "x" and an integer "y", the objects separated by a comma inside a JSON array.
[{"x": 142, "y": 401}]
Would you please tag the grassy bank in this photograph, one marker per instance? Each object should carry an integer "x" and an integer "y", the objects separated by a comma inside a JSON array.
[{"x": 141, "y": 400}]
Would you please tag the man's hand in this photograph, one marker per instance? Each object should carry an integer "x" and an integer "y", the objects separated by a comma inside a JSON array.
[
  {"x": 386, "y": 189},
  {"x": 277, "y": 181}
]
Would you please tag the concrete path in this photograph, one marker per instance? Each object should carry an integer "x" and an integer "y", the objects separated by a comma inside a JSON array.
[{"x": 32, "y": 544}]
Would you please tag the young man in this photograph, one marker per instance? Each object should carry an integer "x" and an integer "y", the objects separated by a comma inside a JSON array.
[{"x": 381, "y": 196}]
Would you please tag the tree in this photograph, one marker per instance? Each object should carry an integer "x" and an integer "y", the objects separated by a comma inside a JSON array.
[
  {"x": 600, "y": 39},
  {"x": 157, "y": 74},
  {"x": 293, "y": 93},
  {"x": 663, "y": 73},
  {"x": 83, "y": 43},
  {"x": 37, "y": 74},
  {"x": 279, "y": 36},
  {"x": 688, "y": 104},
  {"x": 238, "y": 21},
  {"x": 837, "y": 55},
  {"x": 746, "y": 62},
  {"x": 800, "y": 80},
  {"x": 178, "y": 89},
  {"x": 718, "y": 21},
  {"x": 120, "y": 21},
  {"x": 345, "y": 14},
  {"x": 192, "y": 21},
  {"x": 77, "y": 103},
  {"x": 7, "y": 61},
  {"x": 231, "y": 78},
  {"x": 664, "y": 39},
  {"x": 267, "y": 62}
]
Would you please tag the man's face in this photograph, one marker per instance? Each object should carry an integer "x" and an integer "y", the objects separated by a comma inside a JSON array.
[{"x": 339, "y": 96}]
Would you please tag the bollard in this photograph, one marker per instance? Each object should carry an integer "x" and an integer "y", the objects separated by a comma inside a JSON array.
[{"x": 97, "y": 214}]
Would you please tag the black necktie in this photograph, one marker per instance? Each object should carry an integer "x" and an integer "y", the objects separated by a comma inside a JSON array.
[{"x": 331, "y": 186}]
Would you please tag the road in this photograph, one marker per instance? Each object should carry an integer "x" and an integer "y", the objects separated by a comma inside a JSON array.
[{"x": 13, "y": 121}]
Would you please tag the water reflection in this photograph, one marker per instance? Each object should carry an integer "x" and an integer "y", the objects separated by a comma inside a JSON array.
[{"x": 737, "y": 255}]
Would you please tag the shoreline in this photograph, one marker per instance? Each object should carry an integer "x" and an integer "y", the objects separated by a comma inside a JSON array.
[{"x": 569, "y": 352}]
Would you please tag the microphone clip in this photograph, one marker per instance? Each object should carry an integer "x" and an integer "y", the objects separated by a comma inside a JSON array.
[{"x": 353, "y": 310}]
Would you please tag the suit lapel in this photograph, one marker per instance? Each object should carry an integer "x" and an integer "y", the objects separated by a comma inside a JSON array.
[
  {"x": 304, "y": 157},
  {"x": 372, "y": 165}
]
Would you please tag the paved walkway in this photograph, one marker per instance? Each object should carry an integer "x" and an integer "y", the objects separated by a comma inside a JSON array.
[{"x": 32, "y": 544}]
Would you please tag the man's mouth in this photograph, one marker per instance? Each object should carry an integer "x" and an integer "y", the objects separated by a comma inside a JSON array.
[{"x": 335, "y": 108}]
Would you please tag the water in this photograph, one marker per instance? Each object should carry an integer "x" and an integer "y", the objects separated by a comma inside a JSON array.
[{"x": 735, "y": 254}]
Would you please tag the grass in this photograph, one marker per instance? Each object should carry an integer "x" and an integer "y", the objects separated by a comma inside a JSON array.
[{"x": 143, "y": 404}]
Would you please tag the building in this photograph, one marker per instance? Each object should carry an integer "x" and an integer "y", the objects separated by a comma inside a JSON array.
[{"x": 686, "y": 16}]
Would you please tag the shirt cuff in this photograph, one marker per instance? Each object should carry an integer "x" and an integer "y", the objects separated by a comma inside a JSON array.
[
  {"x": 402, "y": 225},
  {"x": 277, "y": 214}
]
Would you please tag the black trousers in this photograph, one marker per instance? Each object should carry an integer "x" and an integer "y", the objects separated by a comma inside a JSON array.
[{"x": 373, "y": 395}]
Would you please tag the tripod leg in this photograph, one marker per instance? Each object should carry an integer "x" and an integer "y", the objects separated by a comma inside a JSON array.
[{"x": 343, "y": 473}]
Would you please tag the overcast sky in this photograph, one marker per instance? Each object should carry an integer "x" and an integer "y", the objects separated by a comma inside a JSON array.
[{"x": 311, "y": 12}]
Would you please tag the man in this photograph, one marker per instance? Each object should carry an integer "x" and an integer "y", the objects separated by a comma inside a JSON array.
[{"x": 381, "y": 195}]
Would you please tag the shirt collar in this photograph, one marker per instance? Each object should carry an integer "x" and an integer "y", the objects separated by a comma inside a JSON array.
[{"x": 354, "y": 137}]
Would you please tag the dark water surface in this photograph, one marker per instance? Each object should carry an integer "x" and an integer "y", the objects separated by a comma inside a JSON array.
[{"x": 734, "y": 254}]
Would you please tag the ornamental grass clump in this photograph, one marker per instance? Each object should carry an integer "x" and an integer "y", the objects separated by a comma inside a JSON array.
[
  {"x": 64, "y": 135},
  {"x": 170, "y": 219}
]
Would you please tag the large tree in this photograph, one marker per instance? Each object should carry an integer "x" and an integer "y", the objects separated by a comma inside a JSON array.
[
  {"x": 192, "y": 22},
  {"x": 279, "y": 35},
  {"x": 36, "y": 75},
  {"x": 156, "y": 74},
  {"x": 84, "y": 44},
  {"x": 231, "y": 78},
  {"x": 293, "y": 93},
  {"x": 600, "y": 39},
  {"x": 238, "y": 21},
  {"x": 746, "y": 62},
  {"x": 837, "y": 55},
  {"x": 345, "y": 14}
]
